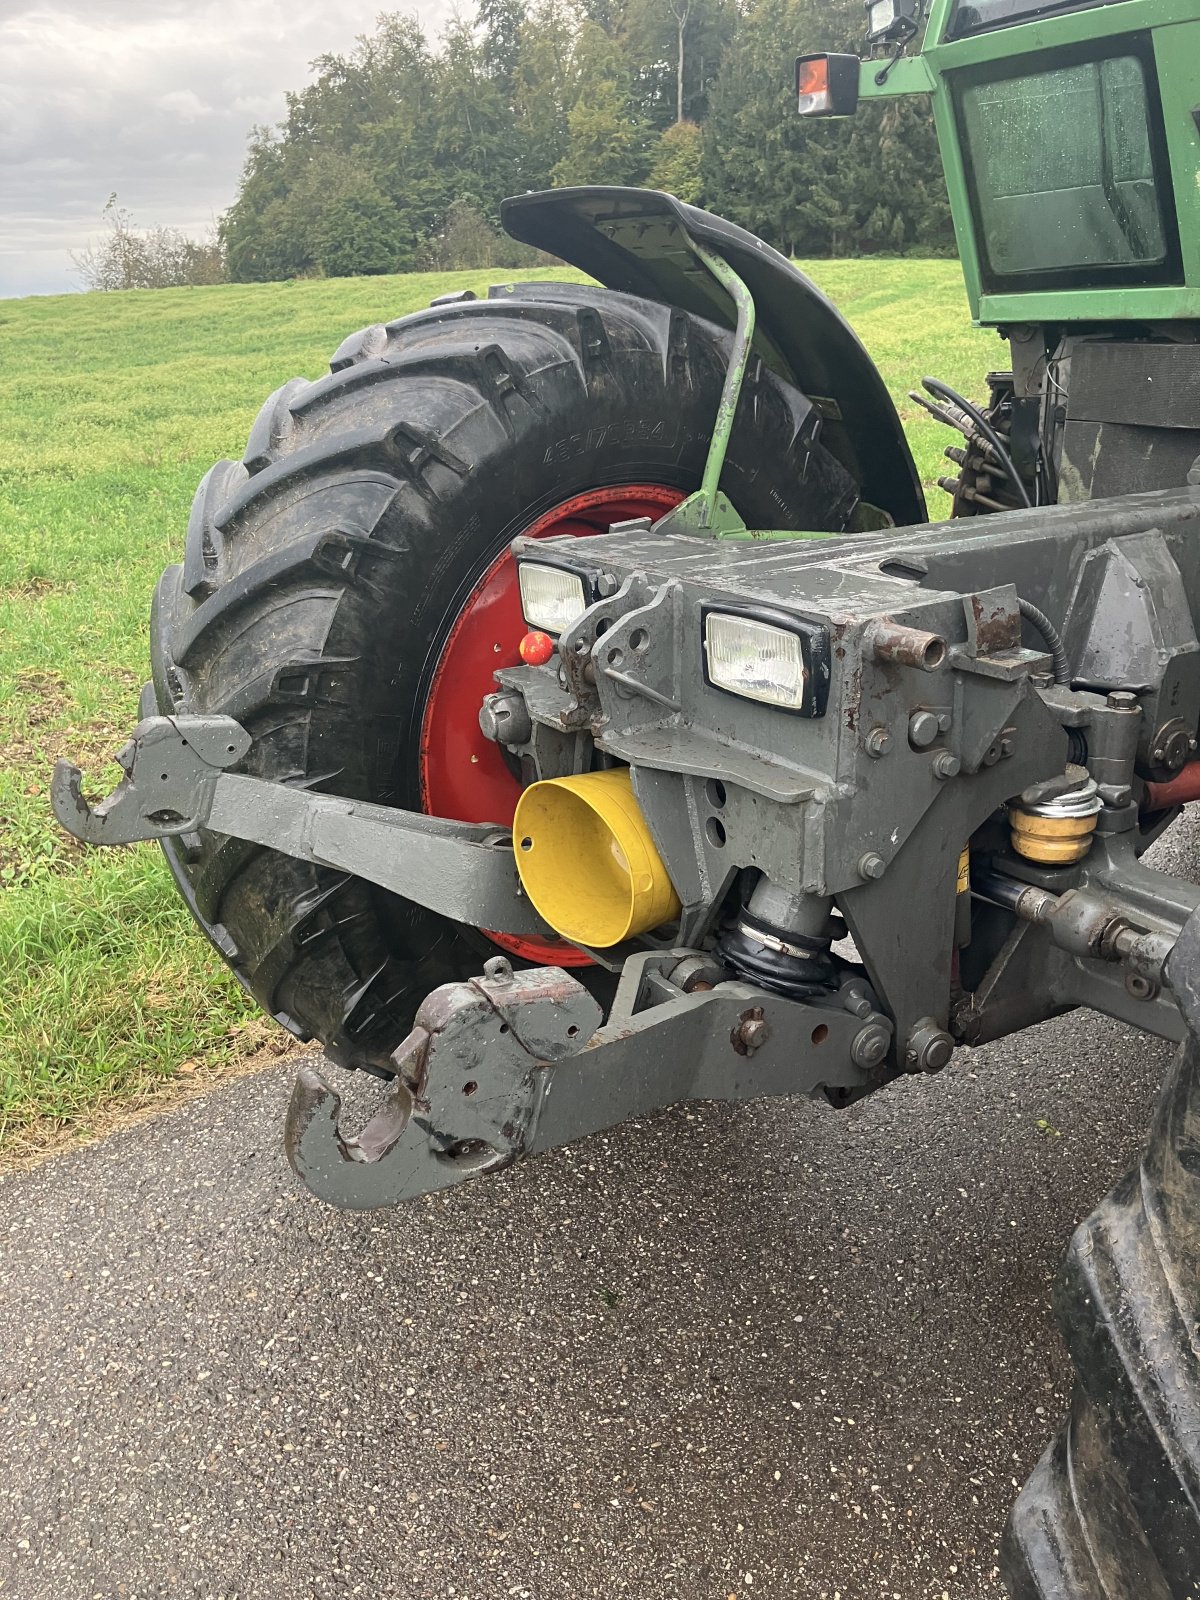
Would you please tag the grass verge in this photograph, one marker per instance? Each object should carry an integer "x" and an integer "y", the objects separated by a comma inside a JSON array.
[{"x": 111, "y": 409}]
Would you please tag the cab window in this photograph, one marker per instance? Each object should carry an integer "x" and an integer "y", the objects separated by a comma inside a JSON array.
[
  {"x": 984, "y": 15},
  {"x": 1068, "y": 183}
]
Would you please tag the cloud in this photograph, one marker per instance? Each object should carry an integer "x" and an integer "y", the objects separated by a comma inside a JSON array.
[{"x": 150, "y": 98}]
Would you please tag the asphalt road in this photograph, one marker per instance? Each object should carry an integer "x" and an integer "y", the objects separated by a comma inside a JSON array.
[{"x": 769, "y": 1351}]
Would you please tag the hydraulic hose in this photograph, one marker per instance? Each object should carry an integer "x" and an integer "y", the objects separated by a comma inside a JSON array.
[
  {"x": 1051, "y": 636},
  {"x": 945, "y": 392}
]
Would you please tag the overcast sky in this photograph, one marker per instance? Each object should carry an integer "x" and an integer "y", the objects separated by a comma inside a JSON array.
[{"x": 152, "y": 98}]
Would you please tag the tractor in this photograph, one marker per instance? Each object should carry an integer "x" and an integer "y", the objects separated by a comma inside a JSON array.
[{"x": 566, "y": 709}]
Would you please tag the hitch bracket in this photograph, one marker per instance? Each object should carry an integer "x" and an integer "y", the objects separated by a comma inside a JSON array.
[{"x": 177, "y": 780}]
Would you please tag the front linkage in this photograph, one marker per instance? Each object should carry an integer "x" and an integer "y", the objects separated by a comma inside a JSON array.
[
  {"x": 917, "y": 770},
  {"x": 874, "y": 807}
]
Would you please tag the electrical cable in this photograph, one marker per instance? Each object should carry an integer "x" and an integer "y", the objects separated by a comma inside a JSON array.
[
  {"x": 1035, "y": 615},
  {"x": 945, "y": 392}
]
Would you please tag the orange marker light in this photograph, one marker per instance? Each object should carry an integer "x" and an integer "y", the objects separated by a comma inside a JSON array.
[
  {"x": 536, "y": 648},
  {"x": 827, "y": 85},
  {"x": 812, "y": 84}
]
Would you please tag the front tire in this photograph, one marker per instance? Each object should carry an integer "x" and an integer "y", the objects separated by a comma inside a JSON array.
[{"x": 324, "y": 573}]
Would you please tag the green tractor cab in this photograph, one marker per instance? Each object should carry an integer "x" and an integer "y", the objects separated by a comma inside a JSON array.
[{"x": 1070, "y": 139}]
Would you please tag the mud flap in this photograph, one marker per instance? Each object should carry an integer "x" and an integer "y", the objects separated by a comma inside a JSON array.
[{"x": 1112, "y": 1510}]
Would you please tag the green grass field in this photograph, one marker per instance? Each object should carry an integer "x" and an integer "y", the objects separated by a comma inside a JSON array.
[{"x": 111, "y": 409}]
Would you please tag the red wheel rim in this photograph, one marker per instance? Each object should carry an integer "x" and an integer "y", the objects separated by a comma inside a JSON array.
[{"x": 463, "y": 775}]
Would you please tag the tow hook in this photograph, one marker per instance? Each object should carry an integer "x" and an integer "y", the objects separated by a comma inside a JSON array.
[{"x": 469, "y": 1083}]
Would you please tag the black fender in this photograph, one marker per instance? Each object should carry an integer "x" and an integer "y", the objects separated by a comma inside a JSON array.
[{"x": 635, "y": 240}]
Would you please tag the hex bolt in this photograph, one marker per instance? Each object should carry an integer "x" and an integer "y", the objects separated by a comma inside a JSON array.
[
  {"x": 877, "y": 742},
  {"x": 870, "y": 1045},
  {"x": 871, "y": 865},
  {"x": 923, "y": 729},
  {"x": 946, "y": 764},
  {"x": 1140, "y": 987},
  {"x": 607, "y": 583},
  {"x": 1122, "y": 700}
]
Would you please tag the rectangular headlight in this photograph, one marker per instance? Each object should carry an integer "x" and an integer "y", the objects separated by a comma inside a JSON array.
[
  {"x": 551, "y": 599},
  {"x": 760, "y": 662}
]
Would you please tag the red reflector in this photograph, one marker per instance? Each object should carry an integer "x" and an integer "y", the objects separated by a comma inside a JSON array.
[{"x": 536, "y": 648}]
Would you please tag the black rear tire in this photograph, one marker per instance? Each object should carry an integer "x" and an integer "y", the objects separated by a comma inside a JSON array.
[{"x": 323, "y": 572}]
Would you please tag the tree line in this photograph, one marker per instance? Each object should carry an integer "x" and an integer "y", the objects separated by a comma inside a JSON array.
[{"x": 396, "y": 156}]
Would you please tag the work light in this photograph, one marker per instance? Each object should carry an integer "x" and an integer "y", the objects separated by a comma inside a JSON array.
[
  {"x": 891, "y": 19},
  {"x": 551, "y": 597},
  {"x": 754, "y": 659}
]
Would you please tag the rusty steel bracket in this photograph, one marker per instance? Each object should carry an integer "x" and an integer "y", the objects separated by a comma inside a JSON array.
[
  {"x": 515, "y": 1063},
  {"x": 177, "y": 780}
]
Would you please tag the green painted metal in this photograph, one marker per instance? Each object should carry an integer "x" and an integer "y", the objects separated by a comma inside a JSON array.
[
  {"x": 708, "y": 510},
  {"x": 936, "y": 69}
]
